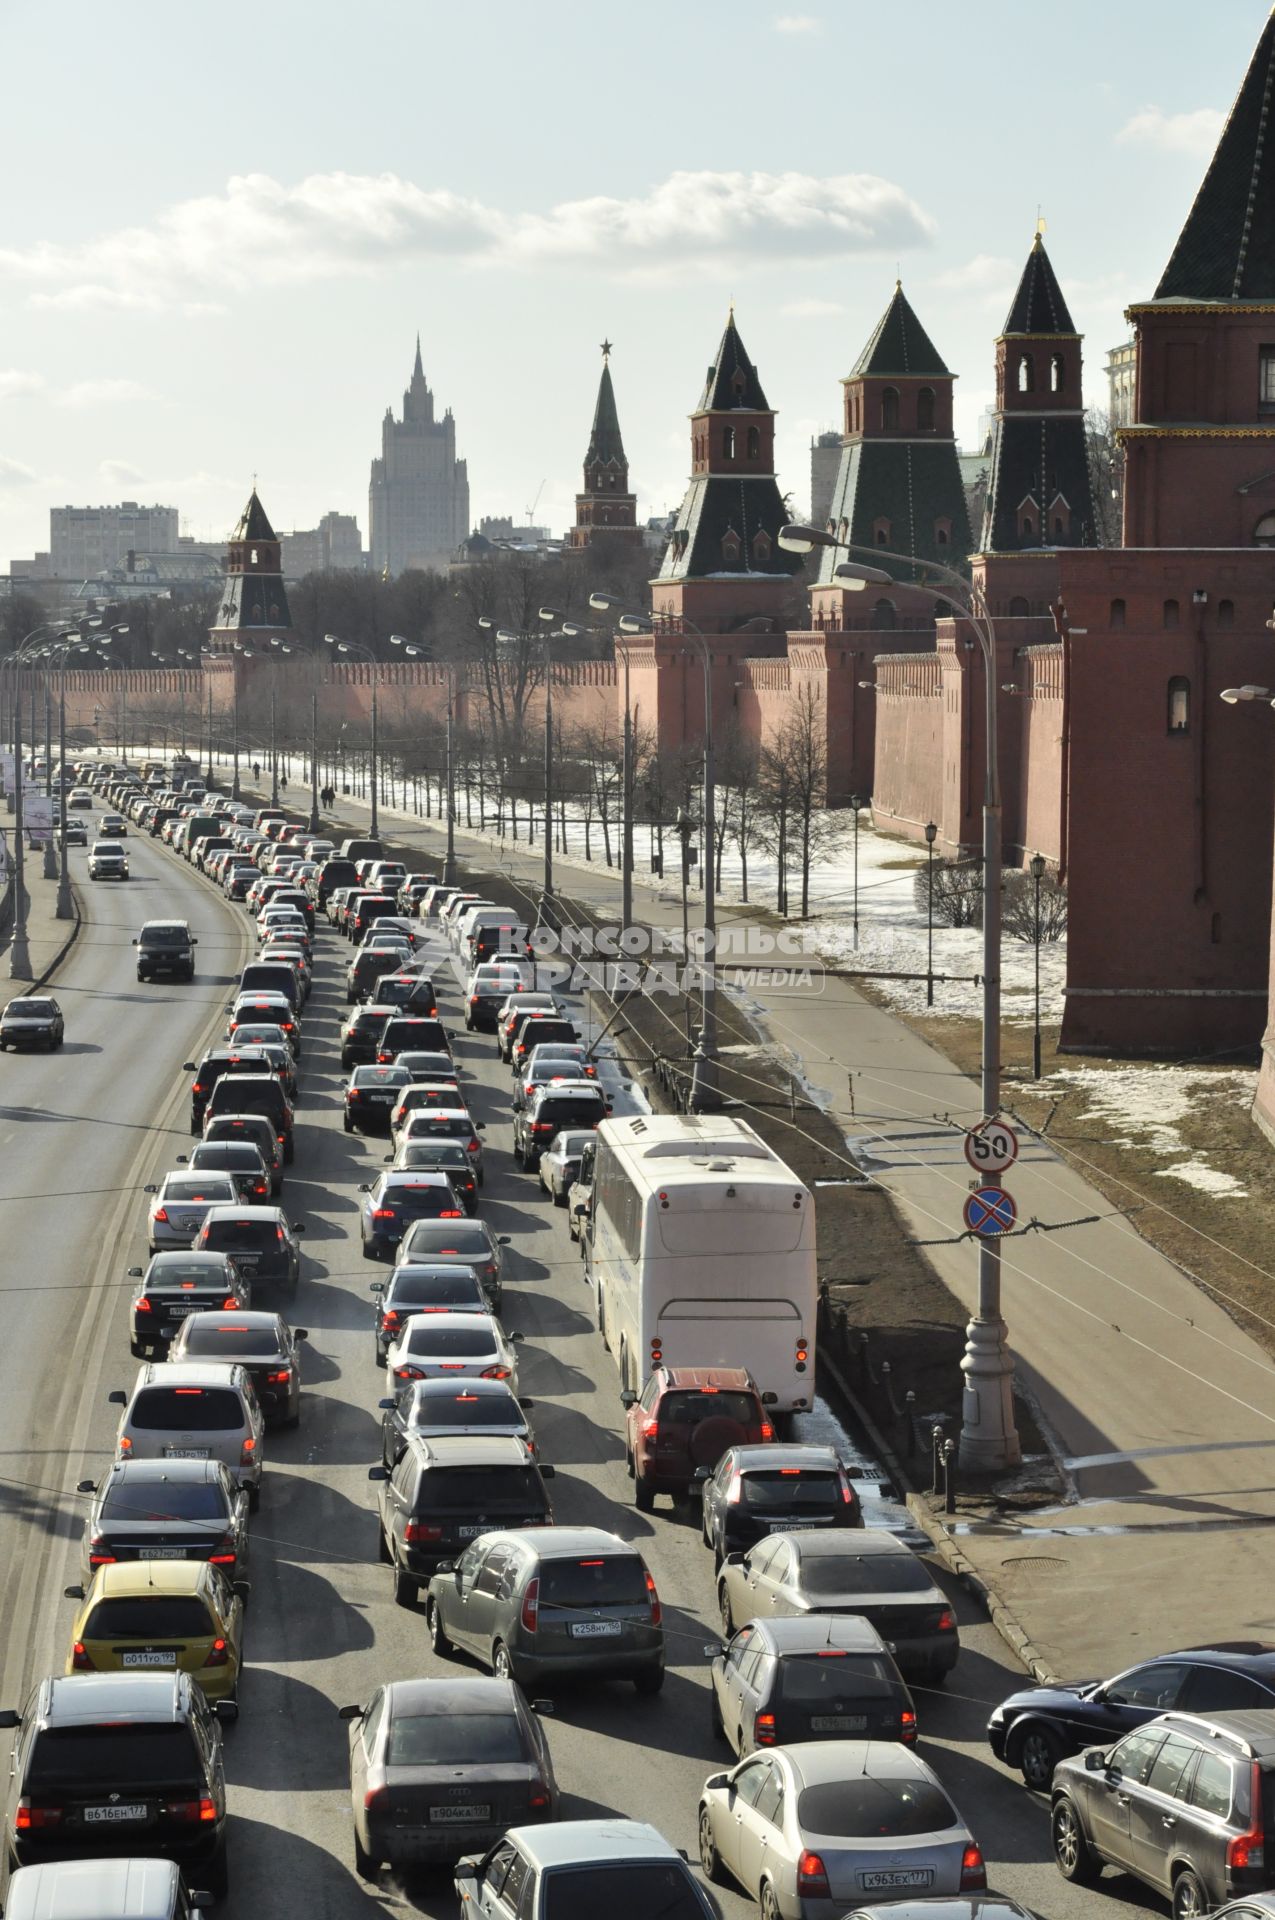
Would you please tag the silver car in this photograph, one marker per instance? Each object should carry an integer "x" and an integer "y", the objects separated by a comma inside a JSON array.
[
  {"x": 620, "y": 1867},
  {"x": 451, "y": 1345},
  {"x": 206, "y": 1411},
  {"x": 560, "y": 1163},
  {"x": 179, "y": 1206},
  {"x": 810, "y": 1830}
]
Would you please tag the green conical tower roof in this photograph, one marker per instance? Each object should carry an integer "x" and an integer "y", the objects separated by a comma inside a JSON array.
[
  {"x": 605, "y": 442},
  {"x": 899, "y": 344}
]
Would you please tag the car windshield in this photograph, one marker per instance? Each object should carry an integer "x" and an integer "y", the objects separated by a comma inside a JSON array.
[
  {"x": 593, "y": 1580},
  {"x": 165, "y": 936},
  {"x": 468, "y": 1343},
  {"x": 31, "y": 1009},
  {"x": 454, "y": 1740},
  {"x": 686, "y": 1408},
  {"x": 864, "y": 1573},
  {"x": 187, "y": 1409},
  {"x": 472, "y": 1490},
  {"x": 623, "y": 1890},
  {"x": 220, "y": 1341},
  {"x": 862, "y": 1808},
  {"x": 133, "y": 1500},
  {"x": 811, "y": 1679},
  {"x": 466, "y": 1410},
  {"x": 160, "y": 1616},
  {"x": 114, "y": 1757},
  {"x": 241, "y": 1236},
  {"x": 778, "y": 1491}
]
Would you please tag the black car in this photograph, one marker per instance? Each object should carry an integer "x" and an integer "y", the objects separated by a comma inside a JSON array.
[
  {"x": 254, "y": 1128},
  {"x": 264, "y": 1343},
  {"x": 443, "y": 1493},
  {"x": 105, "y": 1763},
  {"x": 259, "y": 1242},
  {"x": 254, "y": 1093},
  {"x": 755, "y": 1491},
  {"x": 412, "y": 1032},
  {"x": 567, "y": 1104},
  {"x": 470, "y": 1243},
  {"x": 34, "y": 1020},
  {"x": 536, "y": 1028},
  {"x": 433, "y": 1409},
  {"x": 408, "y": 992},
  {"x": 371, "y": 1097},
  {"x": 421, "y": 1288},
  {"x": 395, "y": 1201},
  {"x": 167, "y": 1510},
  {"x": 442, "y": 1156},
  {"x": 361, "y": 1036},
  {"x": 216, "y": 1063},
  {"x": 818, "y": 1678},
  {"x": 1037, "y": 1726},
  {"x": 242, "y": 1160},
  {"x": 174, "y": 1286},
  {"x": 364, "y": 974},
  {"x": 165, "y": 946}
]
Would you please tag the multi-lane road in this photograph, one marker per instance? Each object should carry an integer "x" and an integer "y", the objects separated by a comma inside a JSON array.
[{"x": 81, "y": 1132}]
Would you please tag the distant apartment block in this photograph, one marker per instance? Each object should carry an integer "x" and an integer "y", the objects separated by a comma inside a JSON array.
[
  {"x": 825, "y": 461},
  {"x": 1122, "y": 367},
  {"x": 334, "y": 546},
  {"x": 84, "y": 541}
]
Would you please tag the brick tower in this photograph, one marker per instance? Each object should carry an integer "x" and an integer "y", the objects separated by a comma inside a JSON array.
[
  {"x": 899, "y": 482},
  {"x": 723, "y": 564},
  {"x": 254, "y": 606},
  {"x": 606, "y": 506},
  {"x": 1201, "y": 450},
  {"x": 1039, "y": 495}
]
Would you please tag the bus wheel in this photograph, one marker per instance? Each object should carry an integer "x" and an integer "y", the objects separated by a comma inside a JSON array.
[{"x": 602, "y": 1323}]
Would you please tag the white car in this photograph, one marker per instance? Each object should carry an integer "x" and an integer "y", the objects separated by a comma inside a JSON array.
[
  {"x": 389, "y": 927},
  {"x": 560, "y": 1163},
  {"x": 452, "y": 1346},
  {"x": 441, "y": 1092},
  {"x": 179, "y": 1205},
  {"x": 107, "y": 861}
]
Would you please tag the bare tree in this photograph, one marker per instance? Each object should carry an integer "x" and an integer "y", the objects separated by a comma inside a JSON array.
[
  {"x": 739, "y": 771},
  {"x": 798, "y": 780},
  {"x": 1106, "y": 475}
]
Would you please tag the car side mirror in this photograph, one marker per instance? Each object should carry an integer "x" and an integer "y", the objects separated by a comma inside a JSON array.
[
  {"x": 365, "y": 1186},
  {"x": 714, "y": 1650},
  {"x": 446, "y": 1566},
  {"x": 150, "y": 1187},
  {"x": 73, "y": 1593},
  {"x": 188, "y": 1066},
  {"x": 376, "y": 1286},
  {"x": 703, "y": 1473},
  {"x": 378, "y": 1473},
  {"x": 298, "y": 1226},
  {"x": 502, "y": 1239},
  {"x": 1095, "y": 1760},
  {"x": 548, "y": 1472},
  {"x": 735, "y": 1560},
  {"x": 628, "y": 1398},
  {"x": 465, "y": 1869},
  {"x": 227, "y": 1711},
  {"x": 199, "y": 1899},
  {"x": 517, "y": 1336},
  {"x": 349, "y": 1713},
  {"x": 720, "y": 1780},
  {"x": 9, "y": 1717},
  {"x": 134, "y": 1273},
  {"x": 118, "y": 1398},
  {"x": 388, "y": 1161},
  {"x": 86, "y": 1486},
  {"x": 301, "y": 1333},
  {"x": 526, "y": 1405},
  {"x": 194, "y": 940},
  {"x": 241, "y": 1587},
  {"x": 480, "y": 1126},
  {"x": 543, "y": 1706},
  {"x": 386, "y": 1405}
]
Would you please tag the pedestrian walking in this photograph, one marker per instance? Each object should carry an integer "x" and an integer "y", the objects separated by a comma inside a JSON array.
[
  {"x": 256, "y": 769},
  {"x": 283, "y": 781}
]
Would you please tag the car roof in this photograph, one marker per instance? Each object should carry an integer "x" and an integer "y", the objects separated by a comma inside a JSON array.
[
  {"x": 582, "y": 1843},
  {"x": 977, "y": 1906},
  {"x": 179, "y": 1470},
  {"x": 820, "y": 1633},
  {"x": 475, "y": 1450},
  {"x": 184, "y": 1256},
  {"x": 177, "y": 1373},
  {"x": 1242, "y": 1656},
  {"x": 131, "y": 1888},
  {"x": 270, "y": 1215},
  {"x": 415, "y": 1177},
  {"x": 1252, "y": 1729},
  {"x": 568, "y": 1089},
  {"x": 816, "y": 1762},
  {"x": 568, "y": 1543},
  {"x": 865, "y": 1542},
  {"x": 482, "y": 1322},
  {"x": 134, "y": 1578},
  {"x": 776, "y": 1456},
  {"x": 81, "y": 1699}
]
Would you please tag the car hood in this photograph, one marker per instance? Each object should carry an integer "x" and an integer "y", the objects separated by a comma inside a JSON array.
[{"x": 1045, "y": 1699}]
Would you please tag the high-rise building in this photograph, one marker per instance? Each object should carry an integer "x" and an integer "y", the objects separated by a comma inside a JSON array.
[
  {"x": 825, "y": 458},
  {"x": 418, "y": 498},
  {"x": 334, "y": 546},
  {"x": 85, "y": 540},
  {"x": 606, "y": 506}
]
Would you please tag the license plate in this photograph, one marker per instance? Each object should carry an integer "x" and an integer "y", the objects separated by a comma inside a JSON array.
[
  {"x": 245, "y": 1259},
  {"x": 896, "y": 1877},
  {"x": 179, "y": 1313},
  {"x": 380, "y": 1099},
  {"x": 471, "y": 1533},
  {"x": 793, "y": 1526},
  {"x": 596, "y": 1629},
  {"x": 838, "y": 1722},
  {"x": 113, "y": 1816},
  {"x": 148, "y": 1657},
  {"x": 167, "y": 1553},
  {"x": 456, "y": 1816},
  {"x": 186, "y": 1453}
]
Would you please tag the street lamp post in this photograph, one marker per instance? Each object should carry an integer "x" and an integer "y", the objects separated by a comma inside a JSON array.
[
  {"x": 856, "y": 802},
  {"x": 355, "y": 646},
  {"x": 572, "y": 630},
  {"x": 507, "y": 637},
  {"x": 989, "y": 1439},
  {"x": 274, "y": 747},
  {"x": 1037, "y": 865},
  {"x": 931, "y": 834}
]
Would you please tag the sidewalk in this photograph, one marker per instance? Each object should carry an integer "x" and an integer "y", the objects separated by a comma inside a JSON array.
[
  {"x": 1160, "y": 1407},
  {"x": 48, "y": 938}
]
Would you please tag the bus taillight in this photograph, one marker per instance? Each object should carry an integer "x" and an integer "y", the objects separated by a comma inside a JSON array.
[
  {"x": 657, "y": 1351},
  {"x": 803, "y": 1353}
]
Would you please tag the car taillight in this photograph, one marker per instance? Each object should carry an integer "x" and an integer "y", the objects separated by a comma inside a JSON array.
[
  {"x": 225, "y": 1555},
  {"x": 657, "y": 1611},
  {"x": 98, "y": 1557},
  {"x": 418, "y": 1532},
  {"x": 350, "y": 1094},
  {"x": 372, "y": 1799},
  {"x": 1249, "y": 1849},
  {"x": 161, "y": 1213},
  {"x": 278, "y": 1379},
  {"x": 494, "y": 1373},
  {"x": 650, "y": 1429},
  {"x": 142, "y": 1305},
  {"x": 812, "y": 1875},
  {"x": 907, "y": 1728},
  {"x": 764, "y": 1729},
  {"x": 530, "y": 1614},
  {"x": 947, "y": 1621},
  {"x": 201, "y": 1812},
  {"x": 80, "y": 1659},
  {"x": 29, "y": 1819},
  {"x": 389, "y": 1319},
  {"x": 196, "y": 1086},
  {"x": 384, "y": 1213},
  {"x": 124, "y": 1444},
  {"x": 767, "y": 1431},
  {"x": 218, "y": 1656},
  {"x": 847, "y": 1492},
  {"x": 973, "y": 1869},
  {"x": 542, "y": 1126},
  {"x": 537, "y": 1794},
  {"x": 408, "y": 1373},
  {"x": 735, "y": 1491},
  {"x": 247, "y": 1450}
]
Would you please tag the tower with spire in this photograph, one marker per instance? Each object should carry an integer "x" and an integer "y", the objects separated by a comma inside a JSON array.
[
  {"x": 254, "y": 603},
  {"x": 1200, "y": 453},
  {"x": 605, "y": 507},
  {"x": 899, "y": 482},
  {"x": 418, "y": 496},
  {"x": 723, "y": 564},
  {"x": 1039, "y": 496}
]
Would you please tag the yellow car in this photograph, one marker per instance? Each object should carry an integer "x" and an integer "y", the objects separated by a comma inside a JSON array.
[{"x": 148, "y": 1615}]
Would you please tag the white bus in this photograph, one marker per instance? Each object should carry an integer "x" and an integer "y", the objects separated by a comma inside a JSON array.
[{"x": 702, "y": 1254}]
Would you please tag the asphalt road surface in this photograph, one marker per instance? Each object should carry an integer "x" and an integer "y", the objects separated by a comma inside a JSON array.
[{"x": 80, "y": 1134}]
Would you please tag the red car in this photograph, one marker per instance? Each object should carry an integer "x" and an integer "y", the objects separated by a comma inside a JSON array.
[{"x": 684, "y": 1421}]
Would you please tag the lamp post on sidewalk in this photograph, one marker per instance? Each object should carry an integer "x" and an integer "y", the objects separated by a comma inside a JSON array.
[
  {"x": 857, "y": 803},
  {"x": 931, "y": 835},
  {"x": 1037, "y": 867},
  {"x": 366, "y": 653},
  {"x": 989, "y": 1439},
  {"x": 449, "y": 858}
]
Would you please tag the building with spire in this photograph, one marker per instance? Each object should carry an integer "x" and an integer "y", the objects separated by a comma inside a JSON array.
[
  {"x": 606, "y": 506},
  {"x": 1039, "y": 496},
  {"x": 254, "y": 604},
  {"x": 418, "y": 496}
]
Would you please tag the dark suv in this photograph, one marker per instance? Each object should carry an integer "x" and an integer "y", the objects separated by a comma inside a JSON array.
[
  {"x": 684, "y": 1421},
  {"x": 1185, "y": 1804},
  {"x": 445, "y": 1492},
  {"x": 756, "y": 1491},
  {"x": 815, "y": 1678},
  {"x": 361, "y": 1036},
  {"x": 165, "y": 946},
  {"x": 567, "y": 1103},
  {"x": 217, "y": 1062},
  {"x": 111, "y": 1763},
  {"x": 254, "y": 1093},
  {"x": 259, "y": 1242}
]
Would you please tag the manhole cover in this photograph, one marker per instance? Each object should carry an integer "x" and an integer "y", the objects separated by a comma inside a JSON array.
[{"x": 1034, "y": 1563}]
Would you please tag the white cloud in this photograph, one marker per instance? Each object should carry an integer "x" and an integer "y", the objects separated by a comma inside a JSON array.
[
  {"x": 1194, "y": 133},
  {"x": 100, "y": 393},
  {"x": 984, "y": 271},
  {"x": 798, "y": 23},
  {"x": 13, "y": 382},
  {"x": 14, "y": 474},
  {"x": 260, "y": 231},
  {"x": 118, "y": 473},
  {"x": 811, "y": 309}
]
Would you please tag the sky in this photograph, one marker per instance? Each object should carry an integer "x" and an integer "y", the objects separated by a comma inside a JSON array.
[{"x": 224, "y": 228}]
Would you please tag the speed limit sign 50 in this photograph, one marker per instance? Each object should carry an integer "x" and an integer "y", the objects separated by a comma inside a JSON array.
[{"x": 992, "y": 1147}]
